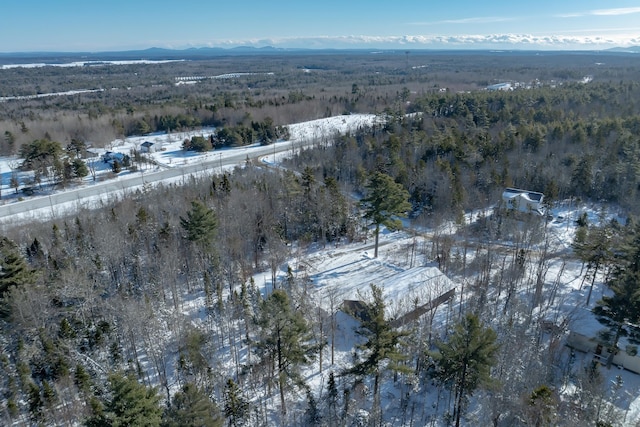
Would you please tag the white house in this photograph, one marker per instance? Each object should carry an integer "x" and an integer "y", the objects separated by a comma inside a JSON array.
[
  {"x": 500, "y": 86},
  {"x": 601, "y": 353},
  {"x": 523, "y": 200}
]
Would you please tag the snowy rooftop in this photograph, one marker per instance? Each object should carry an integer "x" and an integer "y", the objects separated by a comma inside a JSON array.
[{"x": 347, "y": 273}]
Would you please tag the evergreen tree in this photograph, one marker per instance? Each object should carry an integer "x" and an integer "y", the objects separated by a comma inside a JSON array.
[
  {"x": 582, "y": 177},
  {"x": 197, "y": 143},
  {"x": 593, "y": 245},
  {"x": 116, "y": 166},
  {"x": 385, "y": 200},
  {"x": 192, "y": 363},
  {"x": 131, "y": 404},
  {"x": 225, "y": 185},
  {"x": 66, "y": 330},
  {"x": 381, "y": 350},
  {"x": 9, "y": 138},
  {"x": 338, "y": 210},
  {"x": 285, "y": 339},
  {"x": 48, "y": 394},
  {"x": 236, "y": 407},
  {"x": 620, "y": 311},
  {"x": 80, "y": 169},
  {"x": 40, "y": 155},
  {"x": 76, "y": 148},
  {"x": 200, "y": 224},
  {"x": 82, "y": 379},
  {"x": 332, "y": 400},
  {"x": 34, "y": 251},
  {"x": 14, "y": 270},
  {"x": 34, "y": 398},
  {"x": 192, "y": 407},
  {"x": 541, "y": 407},
  {"x": 14, "y": 273},
  {"x": 312, "y": 415},
  {"x": 464, "y": 362}
]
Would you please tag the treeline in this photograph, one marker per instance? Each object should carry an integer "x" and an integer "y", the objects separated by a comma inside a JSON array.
[
  {"x": 264, "y": 132},
  {"x": 457, "y": 152},
  {"x": 99, "y": 124},
  {"x": 120, "y": 106},
  {"x": 135, "y": 99}
]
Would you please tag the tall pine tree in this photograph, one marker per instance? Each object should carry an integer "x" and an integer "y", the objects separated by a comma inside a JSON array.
[
  {"x": 381, "y": 350},
  {"x": 620, "y": 310},
  {"x": 200, "y": 224},
  {"x": 385, "y": 201},
  {"x": 464, "y": 362},
  {"x": 236, "y": 406},
  {"x": 191, "y": 407},
  {"x": 14, "y": 270},
  {"x": 131, "y": 404},
  {"x": 593, "y": 245},
  {"x": 285, "y": 339}
]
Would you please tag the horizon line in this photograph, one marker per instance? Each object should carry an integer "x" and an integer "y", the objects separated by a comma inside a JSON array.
[{"x": 458, "y": 48}]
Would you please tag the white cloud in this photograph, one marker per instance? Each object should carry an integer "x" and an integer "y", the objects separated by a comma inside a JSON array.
[
  {"x": 602, "y": 12},
  {"x": 474, "y": 20},
  {"x": 570, "y": 15},
  {"x": 489, "y": 41},
  {"x": 616, "y": 11}
]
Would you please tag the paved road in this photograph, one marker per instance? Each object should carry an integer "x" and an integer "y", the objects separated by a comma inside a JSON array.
[{"x": 48, "y": 206}]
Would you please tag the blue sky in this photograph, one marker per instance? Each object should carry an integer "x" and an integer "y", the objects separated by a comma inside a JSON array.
[{"x": 87, "y": 25}]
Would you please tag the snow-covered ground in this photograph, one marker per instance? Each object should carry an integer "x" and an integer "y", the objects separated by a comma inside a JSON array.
[
  {"x": 408, "y": 279},
  {"x": 47, "y": 95},
  {"x": 85, "y": 63},
  {"x": 345, "y": 272}
]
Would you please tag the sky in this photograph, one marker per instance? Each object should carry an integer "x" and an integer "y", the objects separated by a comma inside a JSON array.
[{"x": 95, "y": 26}]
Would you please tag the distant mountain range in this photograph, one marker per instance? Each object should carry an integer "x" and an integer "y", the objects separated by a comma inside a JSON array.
[
  {"x": 156, "y": 53},
  {"x": 153, "y": 53},
  {"x": 632, "y": 49}
]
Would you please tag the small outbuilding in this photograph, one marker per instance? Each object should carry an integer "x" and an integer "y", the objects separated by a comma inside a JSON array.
[{"x": 148, "y": 147}]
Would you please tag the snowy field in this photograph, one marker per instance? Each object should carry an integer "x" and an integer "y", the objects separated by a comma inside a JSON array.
[{"x": 85, "y": 63}]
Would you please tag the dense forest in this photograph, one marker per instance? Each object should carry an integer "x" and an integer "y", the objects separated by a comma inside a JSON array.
[{"x": 96, "y": 314}]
